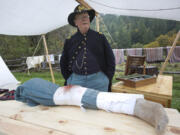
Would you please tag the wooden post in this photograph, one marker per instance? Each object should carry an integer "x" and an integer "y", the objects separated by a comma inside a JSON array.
[
  {"x": 170, "y": 53},
  {"x": 97, "y": 23},
  {"x": 144, "y": 69},
  {"x": 47, "y": 55}
]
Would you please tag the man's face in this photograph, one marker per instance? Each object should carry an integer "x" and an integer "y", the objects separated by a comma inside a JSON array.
[{"x": 82, "y": 21}]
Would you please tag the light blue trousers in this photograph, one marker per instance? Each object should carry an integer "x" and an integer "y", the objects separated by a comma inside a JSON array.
[
  {"x": 98, "y": 81},
  {"x": 38, "y": 91}
]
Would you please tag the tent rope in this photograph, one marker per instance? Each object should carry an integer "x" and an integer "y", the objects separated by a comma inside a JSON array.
[
  {"x": 133, "y": 9},
  {"x": 101, "y": 19},
  {"x": 37, "y": 46}
]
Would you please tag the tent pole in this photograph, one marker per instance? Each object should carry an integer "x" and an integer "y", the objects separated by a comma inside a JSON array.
[
  {"x": 47, "y": 55},
  {"x": 97, "y": 23},
  {"x": 82, "y": 2},
  {"x": 170, "y": 53}
]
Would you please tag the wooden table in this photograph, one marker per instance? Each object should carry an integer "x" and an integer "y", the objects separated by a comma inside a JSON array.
[
  {"x": 17, "y": 118},
  {"x": 160, "y": 92}
]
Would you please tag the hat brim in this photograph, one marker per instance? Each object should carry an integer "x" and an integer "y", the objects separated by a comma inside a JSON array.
[{"x": 72, "y": 16}]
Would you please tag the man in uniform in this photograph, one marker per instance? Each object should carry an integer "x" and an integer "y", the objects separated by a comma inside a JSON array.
[{"x": 87, "y": 59}]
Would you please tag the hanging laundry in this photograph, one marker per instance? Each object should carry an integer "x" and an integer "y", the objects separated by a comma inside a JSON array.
[
  {"x": 59, "y": 57},
  {"x": 32, "y": 62},
  {"x": 51, "y": 56},
  {"x": 154, "y": 54},
  {"x": 175, "y": 57},
  {"x": 119, "y": 55},
  {"x": 134, "y": 51}
]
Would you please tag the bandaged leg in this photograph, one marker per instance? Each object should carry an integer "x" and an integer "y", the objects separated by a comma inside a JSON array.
[
  {"x": 152, "y": 113},
  {"x": 134, "y": 104},
  {"x": 117, "y": 102},
  {"x": 71, "y": 96}
]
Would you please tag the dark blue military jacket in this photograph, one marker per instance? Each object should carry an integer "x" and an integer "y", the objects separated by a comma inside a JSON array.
[{"x": 95, "y": 44}]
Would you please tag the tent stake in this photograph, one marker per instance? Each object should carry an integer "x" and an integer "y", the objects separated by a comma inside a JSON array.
[
  {"x": 170, "y": 53},
  {"x": 47, "y": 55}
]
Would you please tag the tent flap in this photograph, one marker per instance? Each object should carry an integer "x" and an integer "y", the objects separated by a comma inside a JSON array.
[{"x": 7, "y": 79}]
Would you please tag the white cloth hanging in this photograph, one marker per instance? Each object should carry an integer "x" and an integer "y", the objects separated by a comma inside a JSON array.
[{"x": 32, "y": 62}]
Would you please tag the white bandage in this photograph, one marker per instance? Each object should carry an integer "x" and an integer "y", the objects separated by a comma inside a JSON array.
[
  {"x": 72, "y": 96},
  {"x": 117, "y": 102}
]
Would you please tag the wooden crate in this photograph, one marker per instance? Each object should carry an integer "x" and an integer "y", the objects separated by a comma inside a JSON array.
[
  {"x": 160, "y": 92},
  {"x": 135, "y": 82},
  {"x": 133, "y": 61}
]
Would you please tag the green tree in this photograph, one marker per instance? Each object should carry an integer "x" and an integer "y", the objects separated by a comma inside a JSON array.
[
  {"x": 163, "y": 40},
  {"x": 137, "y": 45},
  {"x": 152, "y": 45}
]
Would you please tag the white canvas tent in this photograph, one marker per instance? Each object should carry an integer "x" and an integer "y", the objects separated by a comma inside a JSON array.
[
  {"x": 36, "y": 17},
  {"x": 7, "y": 79}
]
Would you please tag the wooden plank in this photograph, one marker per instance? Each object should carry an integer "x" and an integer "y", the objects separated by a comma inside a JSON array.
[
  {"x": 72, "y": 121},
  {"x": 13, "y": 127},
  {"x": 174, "y": 121}
]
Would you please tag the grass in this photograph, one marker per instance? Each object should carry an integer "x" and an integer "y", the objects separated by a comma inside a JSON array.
[
  {"x": 22, "y": 77},
  {"x": 176, "y": 92}
]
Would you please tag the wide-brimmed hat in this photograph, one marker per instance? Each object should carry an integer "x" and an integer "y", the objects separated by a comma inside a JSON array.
[{"x": 78, "y": 10}]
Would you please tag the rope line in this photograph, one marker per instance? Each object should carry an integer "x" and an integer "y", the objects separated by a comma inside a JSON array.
[
  {"x": 101, "y": 19},
  {"x": 131, "y": 9},
  {"x": 37, "y": 46}
]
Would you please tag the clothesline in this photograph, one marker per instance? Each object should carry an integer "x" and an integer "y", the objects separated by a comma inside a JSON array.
[
  {"x": 33, "y": 61},
  {"x": 153, "y": 55}
]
